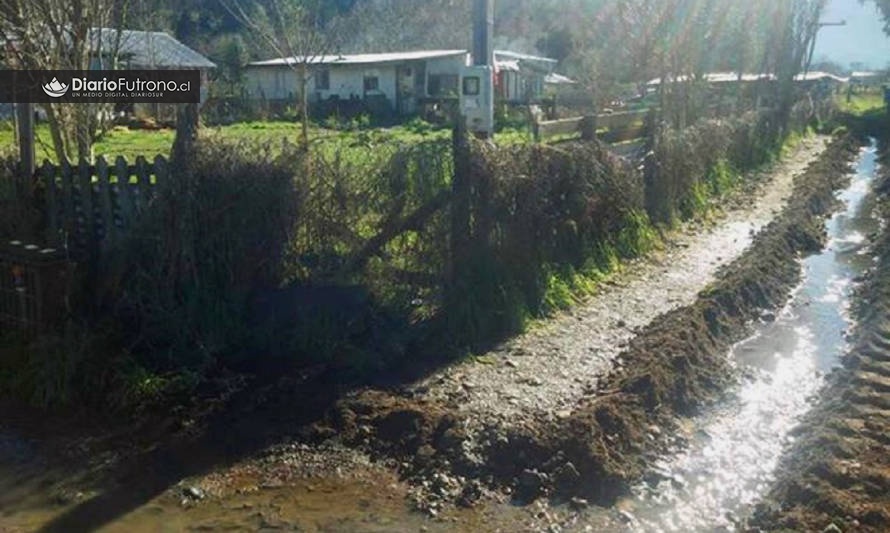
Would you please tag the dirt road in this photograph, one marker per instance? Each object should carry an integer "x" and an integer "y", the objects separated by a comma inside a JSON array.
[{"x": 551, "y": 367}]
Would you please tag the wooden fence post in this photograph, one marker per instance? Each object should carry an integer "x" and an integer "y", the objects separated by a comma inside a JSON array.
[
  {"x": 85, "y": 186},
  {"x": 588, "y": 128},
  {"x": 124, "y": 194},
  {"x": 68, "y": 201},
  {"x": 107, "y": 206},
  {"x": 52, "y": 208},
  {"x": 461, "y": 189}
]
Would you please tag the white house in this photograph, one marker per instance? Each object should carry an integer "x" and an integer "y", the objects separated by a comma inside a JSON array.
[
  {"x": 521, "y": 77},
  {"x": 397, "y": 82}
]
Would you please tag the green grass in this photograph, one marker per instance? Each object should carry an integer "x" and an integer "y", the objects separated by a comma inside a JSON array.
[
  {"x": 861, "y": 104},
  {"x": 132, "y": 143}
]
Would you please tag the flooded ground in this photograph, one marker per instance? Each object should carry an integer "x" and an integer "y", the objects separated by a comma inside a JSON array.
[
  {"x": 734, "y": 449},
  {"x": 348, "y": 492}
]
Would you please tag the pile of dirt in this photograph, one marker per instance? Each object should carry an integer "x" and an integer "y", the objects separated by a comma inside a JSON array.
[
  {"x": 678, "y": 363},
  {"x": 675, "y": 365},
  {"x": 837, "y": 475}
]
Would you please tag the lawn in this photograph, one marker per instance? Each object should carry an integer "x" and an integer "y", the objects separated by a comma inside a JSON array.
[
  {"x": 131, "y": 143},
  {"x": 862, "y": 103}
]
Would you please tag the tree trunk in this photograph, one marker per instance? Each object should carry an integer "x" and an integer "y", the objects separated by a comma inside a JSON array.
[
  {"x": 304, "y": 101},
  {"x": 187, "y": 123}
]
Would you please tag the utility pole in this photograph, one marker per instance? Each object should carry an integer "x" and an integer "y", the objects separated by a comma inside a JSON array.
[
  {"x": 483, "y": 29},
  {"x": 820, "y": 25}
]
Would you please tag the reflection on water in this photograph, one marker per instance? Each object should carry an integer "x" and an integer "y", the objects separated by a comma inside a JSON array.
[{"x": 731, "y": 459}]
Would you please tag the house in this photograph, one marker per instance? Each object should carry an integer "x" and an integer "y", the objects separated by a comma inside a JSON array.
[
  {"x": 398, "y": 83},
  {"x": 385, "y": 83},
  {"x": 142, "y": 50},
  {"x": 520, "y": 78},
  {"x": 149, "y": 50}
]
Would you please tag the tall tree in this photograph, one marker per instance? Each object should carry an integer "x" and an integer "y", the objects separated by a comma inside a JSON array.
[{"x": 296, "y": 31}]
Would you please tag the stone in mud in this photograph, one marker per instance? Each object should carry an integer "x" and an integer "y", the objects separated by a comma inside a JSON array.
[
  {"x": 566, "y": 477},
  {"x": 470, "y": 494},
  {"x": 193, "y": 493},
  {"x": 578, "y": 504},
  {"x": 531, "y": 483}
]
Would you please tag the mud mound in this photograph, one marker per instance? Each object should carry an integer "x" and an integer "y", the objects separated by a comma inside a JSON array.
[
  {"x": 678, "y": 363},
  {"x": 675, "y": 365},
  {"x": 838, "y": 471}
]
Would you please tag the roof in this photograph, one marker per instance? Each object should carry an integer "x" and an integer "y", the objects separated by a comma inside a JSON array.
[
  {"x": 722, "y": 77},
  {"x": 150, "y": 49},
  {"x": 819, "y": 75},
  {"x": 510, "y": 66},
  {"x": 522, "y": 57},
  {"x": 359, "y": 59},
  {"x": 559, "y": 79}
]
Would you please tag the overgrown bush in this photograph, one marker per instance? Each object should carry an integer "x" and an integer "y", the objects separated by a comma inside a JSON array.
[
  {"x": 686, "y": 167},
  {"x": 216, "y": 230},
  {"x": 540, "y": 216},
  {"x": 19, "y": 216}
]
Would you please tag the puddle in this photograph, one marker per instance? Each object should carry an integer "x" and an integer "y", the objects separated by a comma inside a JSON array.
[{"x": 730, "y": 460}]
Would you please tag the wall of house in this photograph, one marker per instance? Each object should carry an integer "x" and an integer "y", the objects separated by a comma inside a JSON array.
[
  {"x": 344, "y": 81},
  {"x": 271, "y": 83}
]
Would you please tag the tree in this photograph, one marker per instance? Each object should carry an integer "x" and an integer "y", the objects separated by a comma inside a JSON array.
[
  {"x": 884, "y": 7},
  {"x": 293, "y": 30},
  {"x": 65, "y": 35}
]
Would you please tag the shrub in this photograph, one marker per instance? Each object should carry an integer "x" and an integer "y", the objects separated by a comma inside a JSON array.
[{"x": 216, "y": 230}]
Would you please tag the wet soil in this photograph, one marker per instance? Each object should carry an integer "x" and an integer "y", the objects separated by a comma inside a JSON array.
[
  {"x": 596, "y": 447},
  {"x": 576, "y": 409},
  {"x": 836, "y": 476}
]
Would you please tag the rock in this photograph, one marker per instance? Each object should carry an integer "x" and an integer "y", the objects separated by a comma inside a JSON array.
[
  {"x": 831, "y": 528},
  {"x": 470, "y": 494},
  {"x": 621, "y": 324},
  {"x": 566, "y": 477},
  {"x": 511, "y": 363},
  {"x": 578, "y": 504},
  {"x": 424, "y": 455},
  {"x": 193, "y": 493},
  {"x": 531, "y": 482}
]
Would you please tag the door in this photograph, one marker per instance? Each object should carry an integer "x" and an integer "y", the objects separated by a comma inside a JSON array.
[{"x": 406, "y": 98}]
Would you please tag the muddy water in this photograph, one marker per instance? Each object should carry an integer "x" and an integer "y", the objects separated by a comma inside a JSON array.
[{"x": 733, "y": 450}]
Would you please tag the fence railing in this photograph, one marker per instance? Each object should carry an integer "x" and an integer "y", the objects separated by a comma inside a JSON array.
[
  {"x": 89, "y": 207},
  {"x": 618, "y": 127}
]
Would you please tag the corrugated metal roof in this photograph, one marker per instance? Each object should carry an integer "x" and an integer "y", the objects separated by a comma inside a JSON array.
[
  {"x": 721, "y": 77},
  {"x": 559, "y": 79},
  {"x": 151, "y": 49},
  {"x": 359, "y": 59},
  {"x": 819, "y": 75},
  {"x": 522, "y": 57},
  {"x": 510, "y": 66}
]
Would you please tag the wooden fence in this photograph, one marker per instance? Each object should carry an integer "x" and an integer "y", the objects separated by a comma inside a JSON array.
[
  {"x": 616, "y": 127},
  {"x": 89, "y": 207}
]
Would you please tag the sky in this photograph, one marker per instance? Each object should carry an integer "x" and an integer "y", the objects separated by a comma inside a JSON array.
[{"x": 861, "y": 40}]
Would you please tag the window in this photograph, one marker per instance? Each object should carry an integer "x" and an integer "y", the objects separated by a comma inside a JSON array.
[
  {"x": 372, "y": 83},
  {"x": 323, "y": 80},
  {"x": 443, "y": 84},
  {"x": 471, "y": 86}
]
